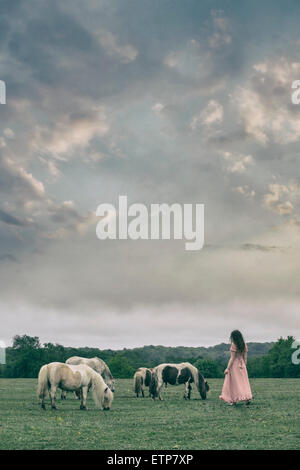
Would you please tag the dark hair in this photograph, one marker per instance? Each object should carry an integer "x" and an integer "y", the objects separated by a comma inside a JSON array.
[{"x": 237, "y": 339}]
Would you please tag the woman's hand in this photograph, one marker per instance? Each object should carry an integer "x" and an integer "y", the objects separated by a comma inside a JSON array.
[{"x": 226, "y": 371}]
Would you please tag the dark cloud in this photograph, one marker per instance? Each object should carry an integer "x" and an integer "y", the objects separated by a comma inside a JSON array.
[
  {"x": 8, "y": 258},
  {"x": 11, "y": 220}
]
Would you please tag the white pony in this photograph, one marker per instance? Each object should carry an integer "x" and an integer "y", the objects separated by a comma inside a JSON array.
[
  {"x": 142, "y": 379},
  {"x": 95, "y": 363},
  {"x": 176, "y": 374},
  {"x": 77, "y": 378}
]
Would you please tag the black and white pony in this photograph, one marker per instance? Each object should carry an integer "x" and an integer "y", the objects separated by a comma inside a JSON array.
[
  {"x": 176, "y": 374},
  {"x": 142, "y": 379},
  {"x": 97, "y": 365}
]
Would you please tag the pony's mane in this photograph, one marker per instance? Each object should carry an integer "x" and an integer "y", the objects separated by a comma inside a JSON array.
[{"x": 98, "y": 386}]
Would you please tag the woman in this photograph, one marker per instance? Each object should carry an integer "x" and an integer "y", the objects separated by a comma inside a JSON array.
[{"x": 236, "y": 385}]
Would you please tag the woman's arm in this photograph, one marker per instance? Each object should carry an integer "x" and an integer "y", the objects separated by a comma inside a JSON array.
[{"x": 230, "y": 362}]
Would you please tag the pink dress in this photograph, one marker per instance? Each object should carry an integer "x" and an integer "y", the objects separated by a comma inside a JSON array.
[{"x": 236, "y": 385}]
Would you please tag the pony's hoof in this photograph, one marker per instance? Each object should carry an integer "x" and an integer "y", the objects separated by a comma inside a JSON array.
[
  {"x": 43, "y": 406},
  {"x": 53, "y": 407},
  {"x": 85, "y": 408}
]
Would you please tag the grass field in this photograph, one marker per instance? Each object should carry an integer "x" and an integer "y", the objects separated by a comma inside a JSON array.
[{"x": 271, "y": 422}]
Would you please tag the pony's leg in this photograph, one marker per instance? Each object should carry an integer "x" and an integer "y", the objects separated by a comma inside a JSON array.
[
  {"x": 187, "y": 391},
  {"x": 43, "y": 406},
  {"x": 52, "y": 396},
  {"x": 185, "y": 395},
  {"x": 159, "y": 392},
  {"x": 190, "y": 389},
  {"x": 142, "y": 388},
  {"x": 83, "y": 393},
  {"x": 63, "y": 395}
]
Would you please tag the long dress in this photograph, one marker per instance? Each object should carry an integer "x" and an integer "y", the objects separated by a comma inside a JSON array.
[{"x": 236, "y": 385}]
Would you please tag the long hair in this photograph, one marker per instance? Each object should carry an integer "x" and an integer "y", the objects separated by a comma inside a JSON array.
[
  {"x": 148, "y": 378},
  {"x": 153, "y": 385},
  {"x": 202, "y": 386},
  {"x": 138, "y": 382},
  {"x": 237, "y": 339},
  {"x": 42, "y": 387}
]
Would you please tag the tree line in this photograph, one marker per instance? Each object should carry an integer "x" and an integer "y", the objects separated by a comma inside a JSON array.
[{"x": 27, "y": 355}]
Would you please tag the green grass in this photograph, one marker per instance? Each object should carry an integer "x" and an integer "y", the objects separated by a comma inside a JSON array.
[{"x": 271, "y": 422}]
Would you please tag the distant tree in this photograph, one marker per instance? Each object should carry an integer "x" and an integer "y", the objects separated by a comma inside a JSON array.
[
  {"x": 120, "y": 367},
  {"x": 277, "y": 363},
  {"x": 26, "y": 342},
  {"x": 208, "y": 367}
]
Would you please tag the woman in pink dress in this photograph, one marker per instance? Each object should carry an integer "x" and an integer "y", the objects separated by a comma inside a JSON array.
[{"x": 236, "y": 385}]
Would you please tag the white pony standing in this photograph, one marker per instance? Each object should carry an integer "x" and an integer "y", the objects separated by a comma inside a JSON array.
[{"x": 76, "y": 378}]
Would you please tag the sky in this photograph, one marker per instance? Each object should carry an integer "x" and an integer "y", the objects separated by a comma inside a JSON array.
[{"x": 164, "y": 101}]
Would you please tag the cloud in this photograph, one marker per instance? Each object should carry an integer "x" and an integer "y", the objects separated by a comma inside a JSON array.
[
  {"x": 211, "y": 114},
  {"x": 24, "y": 184},
  {"x": 158, "y": 107},
  {"x": 245, "y": 191},
  {"x": 278, "y": 199},
  {"x": 73, "y": 131},
  {"x": 220, "y": 36},
  {"x": 11, "y": 220},
  {"x": 124, "y": 52},
  {"x": 264, "y": 102},
  {"x": 237, "y": 163}
]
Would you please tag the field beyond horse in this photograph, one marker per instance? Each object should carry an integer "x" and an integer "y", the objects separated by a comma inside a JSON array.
[{"x": 272, "y": 421}]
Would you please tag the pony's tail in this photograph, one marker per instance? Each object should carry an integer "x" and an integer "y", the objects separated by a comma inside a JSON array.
[
  {"x": 42, "y": 382},
  {"x": 148, "y": 378},
  {"x": 138, "y": 382}
]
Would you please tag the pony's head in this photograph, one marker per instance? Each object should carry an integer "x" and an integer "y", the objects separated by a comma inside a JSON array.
[
  {"x": 107, "y": 399},
  {"x": 202, "y": 386},
  {"x": 111, "y": 384}
]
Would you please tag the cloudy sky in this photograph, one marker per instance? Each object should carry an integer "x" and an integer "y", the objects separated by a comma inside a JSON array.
[{"x": 163, "y": 101}]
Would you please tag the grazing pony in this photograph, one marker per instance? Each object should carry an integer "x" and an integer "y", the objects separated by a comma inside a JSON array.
[
  {"x": 77, "y": 378},
  {"x": 98, "y": 365},
  {"x": 141, "y": 379},
  {"x": 176, "y": 374}
]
